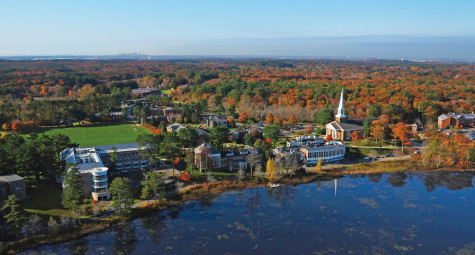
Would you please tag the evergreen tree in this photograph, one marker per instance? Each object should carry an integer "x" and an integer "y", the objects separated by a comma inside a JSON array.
[
  {"x": 366, "y": 128},
  {"x": 11, "y": 205},
  {"x": 53, "y": 226},
  {"x": 325, "y": 116},
  {"x": 218, "y": 136},
  {"x": 72, "y": 191},
  {"x": 122, "y": 199},
  {"x": 152, "y": 186}
]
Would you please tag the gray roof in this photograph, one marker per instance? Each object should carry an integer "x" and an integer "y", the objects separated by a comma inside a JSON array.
[
  {"x": 11, "y": 178},
  {"x": 82, "y": 167},
  {"x": 345, "y": 126},
  {"x": 323, "y": 148},
  {"x": 211, "y": 149},
  {"x": 354, "y": 124},
  {"x": 122, "y": 146},
  {"x": 202, "y": 131},
  {"x": 457, "y": 116}
]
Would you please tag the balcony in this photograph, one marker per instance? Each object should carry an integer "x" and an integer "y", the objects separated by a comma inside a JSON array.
[
  {"x": 99, "y": 171},
  {"x": 100, "y": 186},
  {"x": 104, "y": 179}
]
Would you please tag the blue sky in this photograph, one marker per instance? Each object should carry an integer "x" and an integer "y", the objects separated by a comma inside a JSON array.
[{"x": 388, "y": 29}]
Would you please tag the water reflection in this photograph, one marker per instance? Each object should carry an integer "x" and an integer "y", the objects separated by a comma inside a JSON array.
[
  {"x": 449, "y": 180},
  {"x": 125, "y": 239},
  {"x": 397, "y": 179},
  {"x": 400, "y": 213}
]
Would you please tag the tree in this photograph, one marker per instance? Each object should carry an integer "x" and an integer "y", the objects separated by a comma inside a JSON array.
[
  {"x": 122, "y": 199},
  {"x": 53, "y": 226},
  {"x": 150, "y": 146},
  {"x": 218, "y": 136},
  {"x": 171, "y": 147},
  {"x": 325, "y": 116},
  {"x": 232, "y": 111},
  {"x": 243, "y": 117},
  {"x": 271, "y": 169},
  {"x": 72, "y": 191},
  {"x": 152, "y": 186},
  {"x": 33, "y": 224},
  {"x": 254, "y": 159},
  {"x": 378, "y": 128},
  {"x": 13, "y": 215},
  {"x": 403, "y": 132},
  {"x": 355, "y": 136},
  {"x": 270, "y": 119},
  {"x": 375, "y": 110},
  {"x": 16, "y": 127},
  {"x": 61, "y": 142},
  {"x": 318, "y": 167},
  {"x": 272, "y": 132},
  {"x": 187, "y": 137},
  {"x": 292, "y": 119},
  {"x": 366, "y": 128},
  {"x": 329, "y": 138}
]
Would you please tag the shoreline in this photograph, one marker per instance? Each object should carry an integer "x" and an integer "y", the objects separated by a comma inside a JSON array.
[{"x": 200, "y": 190}]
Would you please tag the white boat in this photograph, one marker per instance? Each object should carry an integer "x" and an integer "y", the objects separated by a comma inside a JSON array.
[{"x": 273, "y": 185}]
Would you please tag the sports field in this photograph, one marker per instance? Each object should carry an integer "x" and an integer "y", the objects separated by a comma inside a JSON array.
[{"x": 101, "y": 135}]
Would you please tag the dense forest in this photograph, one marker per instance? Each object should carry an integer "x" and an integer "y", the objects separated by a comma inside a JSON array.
[{"x": 48, "y": 91}]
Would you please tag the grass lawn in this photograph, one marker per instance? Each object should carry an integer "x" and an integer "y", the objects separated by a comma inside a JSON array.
[
  {"x": 100, "y": 135},
  {"x": 167, "y": 91},
  {"x": 46, "y": 200},
  {"x": 363, "y": 152}
]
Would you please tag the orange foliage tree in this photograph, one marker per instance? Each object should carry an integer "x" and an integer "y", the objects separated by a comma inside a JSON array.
[
  {"x": 378, "y": 130},
  {"x": 243, "y": 117},
  {"x": 355, "y": 136},
  {"x": 270, "y": 119},
  {"x": 403, "y": 132},
  {"x": 292, "y": 119}
]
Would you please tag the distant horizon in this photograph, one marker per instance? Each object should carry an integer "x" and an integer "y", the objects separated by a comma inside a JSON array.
[
  {"x": 460, "y": 48},
  {"x": 435, "y": 29}
]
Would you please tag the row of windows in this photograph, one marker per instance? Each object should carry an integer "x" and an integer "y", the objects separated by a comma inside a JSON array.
[{"x": 324, "y": 154}]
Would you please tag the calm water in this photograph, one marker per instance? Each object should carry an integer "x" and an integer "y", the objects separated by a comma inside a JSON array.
[{"x": 404, "y": 213}]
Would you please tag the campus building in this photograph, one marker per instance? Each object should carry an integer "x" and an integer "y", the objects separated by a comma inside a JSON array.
[
  {"x": 332, "y": 152},
  {"x": 306, "y": 140},
  {"x": 342, "y": 127},
  {"x": 94, "y": 163},
  {"x": 12, "y": 184},
  {"x": 449, "y": 120}
]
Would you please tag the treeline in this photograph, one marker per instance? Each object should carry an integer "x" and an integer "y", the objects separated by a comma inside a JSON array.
[
  {"x": 35, "y": 157},
  {"x": 448, "y": 151},
  {"x": 95, "y": 104}
]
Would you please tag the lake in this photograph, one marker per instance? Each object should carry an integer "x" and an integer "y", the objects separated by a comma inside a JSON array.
[{"x": 400, "y": 213}]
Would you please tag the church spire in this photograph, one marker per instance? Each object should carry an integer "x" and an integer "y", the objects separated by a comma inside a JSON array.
[{"x": 340, "y": 116}]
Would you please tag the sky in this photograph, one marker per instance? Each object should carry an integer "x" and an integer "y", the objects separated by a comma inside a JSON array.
[{"x": 345, "y": 28}]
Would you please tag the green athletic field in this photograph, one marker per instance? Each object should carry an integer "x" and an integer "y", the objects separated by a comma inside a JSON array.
[{"x": 101, "y": 135}]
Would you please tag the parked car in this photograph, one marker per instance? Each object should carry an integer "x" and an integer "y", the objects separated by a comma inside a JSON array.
[{"x": 390, "y": 155}]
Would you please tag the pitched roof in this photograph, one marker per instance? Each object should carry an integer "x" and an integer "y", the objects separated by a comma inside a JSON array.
[
  {"x": 10, "y": 178},
  {"x": 202, "y": 131},
  {"x": 211, "y": 149},
  {"x": 457, "y": 116},
  {"x": 353, "y": 124}
]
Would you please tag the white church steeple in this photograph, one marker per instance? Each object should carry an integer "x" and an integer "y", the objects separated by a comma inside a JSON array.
[{"x": 340, "y": 116}]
